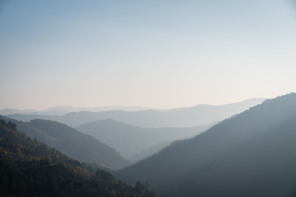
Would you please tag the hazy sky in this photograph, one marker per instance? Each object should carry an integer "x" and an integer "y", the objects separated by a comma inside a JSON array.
[{"x": 152, "y": 53}]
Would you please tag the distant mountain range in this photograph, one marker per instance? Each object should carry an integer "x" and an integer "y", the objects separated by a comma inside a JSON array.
[
  {"x": 71, "y": 142},
  {"x": 182, "y": 117},
  {"x": 135, "y": 143},
  {"x": 248, "y": 155},
  {"x": 62, "y": 110}
]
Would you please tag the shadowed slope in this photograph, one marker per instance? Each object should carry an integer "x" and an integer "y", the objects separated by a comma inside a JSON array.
[
  {"x": 250, "y": 154},
  {"x": 72, "y": 142},
  {"x": 30, "y": 168},
  {"x": 131, "y": 140}
]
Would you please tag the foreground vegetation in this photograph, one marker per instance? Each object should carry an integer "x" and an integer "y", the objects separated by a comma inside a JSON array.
[{"x": 29, "y": 168}]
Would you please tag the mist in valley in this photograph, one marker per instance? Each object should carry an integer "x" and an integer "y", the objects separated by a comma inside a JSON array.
[{"x": 148, "y": 98}]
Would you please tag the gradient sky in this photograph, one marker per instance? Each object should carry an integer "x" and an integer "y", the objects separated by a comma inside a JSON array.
[{"x": 151, "y": 53}]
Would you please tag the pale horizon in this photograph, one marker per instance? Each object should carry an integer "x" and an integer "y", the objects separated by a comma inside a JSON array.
[
  {"x": 131, "y": 106},
  {"x": 154, "y": 54}
]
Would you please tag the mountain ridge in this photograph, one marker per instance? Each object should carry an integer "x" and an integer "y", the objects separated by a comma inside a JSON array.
[
  {"x": 182, "y": 117},
  {"x": 71, "y": 142},
  {"x": 190, "y": 167},
  {"x": 30, "y": 168},
  {"x": 130, "y": 141}
]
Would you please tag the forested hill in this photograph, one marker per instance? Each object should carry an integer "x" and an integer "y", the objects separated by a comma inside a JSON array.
[
  {"x": 29, "y": 168},
  {"x": 131, "y": 141},
  {"x": 72, "y": 142},
  {"x": 249, "y": 155}
]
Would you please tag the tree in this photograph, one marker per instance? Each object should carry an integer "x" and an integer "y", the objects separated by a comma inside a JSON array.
[{"x": 11, "y": 125}]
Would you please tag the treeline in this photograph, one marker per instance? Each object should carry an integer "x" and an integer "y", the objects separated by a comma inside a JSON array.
[
  {"x": 30, "y": 168},
  {"x": 71, "y": 142}
]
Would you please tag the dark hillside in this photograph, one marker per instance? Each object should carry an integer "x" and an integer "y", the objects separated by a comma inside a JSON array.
[
  {"x": 29, "y": 168},
  {"x": 72, "y": 142},
  {"x": 250, "y": 154}
]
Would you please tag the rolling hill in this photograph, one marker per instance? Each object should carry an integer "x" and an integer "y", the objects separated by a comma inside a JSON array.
[
  {"x": 249, "y": 155},
  {"x": 71, "y": 142},
  {"x": 30, "y": 168},
  {"x": 135, "y": 143},
  {"x": 181, "y": 117}
]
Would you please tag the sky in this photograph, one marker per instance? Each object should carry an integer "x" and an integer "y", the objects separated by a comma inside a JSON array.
[{"x": 149, "y": 53}]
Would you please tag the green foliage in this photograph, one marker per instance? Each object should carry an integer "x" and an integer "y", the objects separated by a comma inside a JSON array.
[{"x": 29, "y": 168}]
